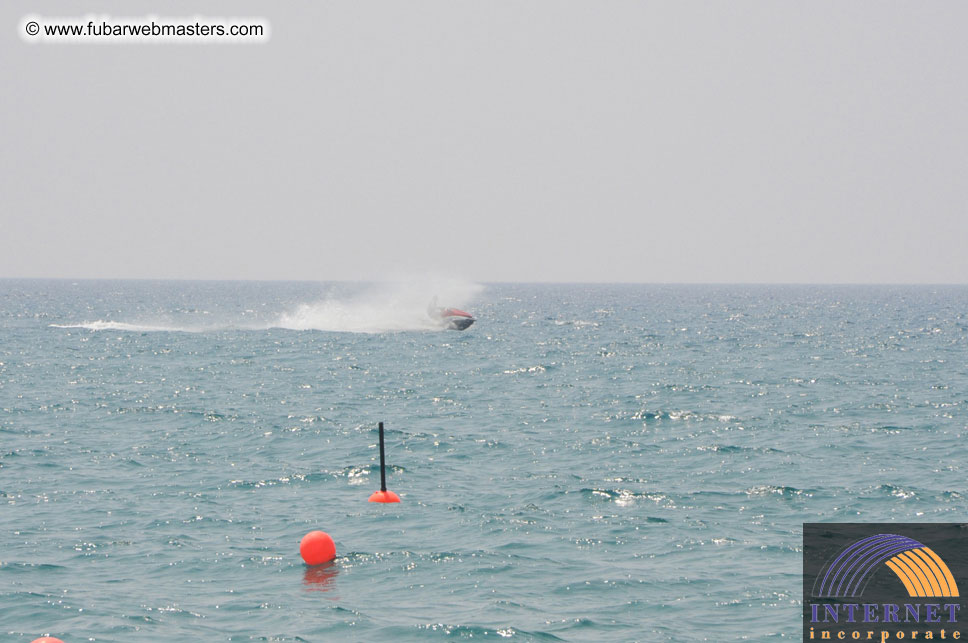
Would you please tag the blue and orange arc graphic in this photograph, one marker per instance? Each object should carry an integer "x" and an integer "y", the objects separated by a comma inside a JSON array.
[{"x": 921, "y": 570}]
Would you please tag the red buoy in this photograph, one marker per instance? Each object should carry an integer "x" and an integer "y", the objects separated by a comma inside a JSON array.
[
  {"x": 47, "y": 639},
  {"x": 384, "y": 496},
  {"x": 317, "y": 547}
]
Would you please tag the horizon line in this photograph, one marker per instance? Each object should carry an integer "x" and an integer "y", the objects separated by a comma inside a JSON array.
[{"x": 496, "y": 283}]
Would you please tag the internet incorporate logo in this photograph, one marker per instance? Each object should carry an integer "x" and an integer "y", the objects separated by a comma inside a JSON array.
[
  {"x": 880, "y": 582},
  {"x": 921, "y": 570}
]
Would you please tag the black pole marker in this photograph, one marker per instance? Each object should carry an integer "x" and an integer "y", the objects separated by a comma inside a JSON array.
[
  {"x": 383, "y": 495},
  {"x": 383, "y": 463}
]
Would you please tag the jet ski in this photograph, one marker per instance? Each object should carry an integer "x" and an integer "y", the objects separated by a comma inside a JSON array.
[{"x": 450, "y": 318}]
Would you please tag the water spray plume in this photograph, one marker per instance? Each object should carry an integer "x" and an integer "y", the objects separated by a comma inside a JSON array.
[{"x": 375, "y": 308}]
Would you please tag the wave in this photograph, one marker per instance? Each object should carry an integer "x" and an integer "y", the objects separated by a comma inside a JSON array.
[{"x": 124, "y": 326}]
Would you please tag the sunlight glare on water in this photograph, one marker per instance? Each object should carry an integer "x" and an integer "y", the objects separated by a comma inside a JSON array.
[{"x": 585, "y": 463}]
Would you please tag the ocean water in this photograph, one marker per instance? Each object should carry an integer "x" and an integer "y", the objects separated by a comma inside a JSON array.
[{"x": 585, "y": 463}]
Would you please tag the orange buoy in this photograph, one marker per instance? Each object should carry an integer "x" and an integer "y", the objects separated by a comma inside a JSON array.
[
  {"x": 317, "y": 547},
  {"x": 383, "y": 495},
  {"x": 47, "y": 639}
]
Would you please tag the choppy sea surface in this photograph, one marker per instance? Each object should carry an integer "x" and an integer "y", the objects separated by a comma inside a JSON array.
[{"x": 585, "y": 463}]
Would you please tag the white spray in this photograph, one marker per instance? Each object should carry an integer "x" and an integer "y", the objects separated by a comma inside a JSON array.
[{"x": 374, "y": 308}]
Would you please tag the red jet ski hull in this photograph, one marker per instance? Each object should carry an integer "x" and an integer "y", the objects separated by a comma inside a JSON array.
[{"x": 451, "y": 318}]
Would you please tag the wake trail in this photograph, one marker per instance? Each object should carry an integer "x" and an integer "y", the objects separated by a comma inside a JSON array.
[{"x": 380, "y": 308}]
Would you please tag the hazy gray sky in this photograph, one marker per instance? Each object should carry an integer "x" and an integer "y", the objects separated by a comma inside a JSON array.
[{"x": 496, "y": 141}]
